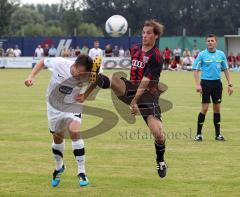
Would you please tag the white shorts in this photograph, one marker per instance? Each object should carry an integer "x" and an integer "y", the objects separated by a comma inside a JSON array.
[{"x": 59, "y": 121}]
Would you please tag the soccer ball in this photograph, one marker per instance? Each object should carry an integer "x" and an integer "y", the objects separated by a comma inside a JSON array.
[{"x": 116, "y": 26}]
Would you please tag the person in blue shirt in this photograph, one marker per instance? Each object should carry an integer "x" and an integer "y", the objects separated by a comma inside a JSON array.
[{"x": 211, "y": 62}]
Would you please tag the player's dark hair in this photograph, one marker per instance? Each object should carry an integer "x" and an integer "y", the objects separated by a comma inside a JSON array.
[
  {"x": 84, "y": 60},
  {"x": 158, "y": 28},
  {"x": 211, "y": 36}
]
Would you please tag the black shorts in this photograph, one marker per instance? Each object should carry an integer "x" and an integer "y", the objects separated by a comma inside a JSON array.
[
  {"x": 213, "y": 89},
  {"x": 148, "y": 103},
  {"x": 177, "y": 59}
]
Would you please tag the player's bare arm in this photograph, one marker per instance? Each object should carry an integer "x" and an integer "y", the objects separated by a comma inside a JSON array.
[
  {"x": 37, "y": 68},
  {"x": 82, "y": 97},
  {"x": 197, "y": 81}
]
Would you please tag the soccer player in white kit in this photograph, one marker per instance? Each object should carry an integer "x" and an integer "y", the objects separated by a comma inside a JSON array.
[{"x": 68, "y": 88}]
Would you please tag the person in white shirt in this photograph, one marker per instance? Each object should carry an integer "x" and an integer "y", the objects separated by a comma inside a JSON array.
[
  {"x": 177, "y": 55},
  {"x": 17, "y": 52},
  {"x": 69, "y": 87},
  {"x": 96, "y": 51},
  {"x": 52, "y": 51},
  {"x": 39, "y": 52}
]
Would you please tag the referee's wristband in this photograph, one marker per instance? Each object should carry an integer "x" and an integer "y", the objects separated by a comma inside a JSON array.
[{"x": 230, "y": 85}]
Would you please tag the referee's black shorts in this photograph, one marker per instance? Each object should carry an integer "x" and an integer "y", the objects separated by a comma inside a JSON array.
[
  {"x": 148, "y": 103},
  {"x": 211, "y": 89}
]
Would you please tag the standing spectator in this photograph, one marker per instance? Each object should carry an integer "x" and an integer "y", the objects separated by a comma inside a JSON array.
[
  {"x": 72, "y": 52},
  {"x": 17, "y": 52},
  {"x": 52, "y": 51},
  {"x": 177, "y": 55},
  {"x": 167, "y": 53},
  {"x": 85, "y": 49},
  {"x": 46, "y": 50},
  {"x": 121, "y": 52},
  {"x": 39, "y": 51},
  {"x": 95, "y": 51},
  {"x": 195, "y": 52},
  {"x": 115, "y": 51},
  {"x": 231, "y": 60},
  {"x": 1, "y": 52},
  {"x": 77, "y": 51},
  {"x": 10, "y": 52},
  {"x": 65, "y": 52},
  {"x": 127, "y": 53},
  {"x": 108, "y": 51}
]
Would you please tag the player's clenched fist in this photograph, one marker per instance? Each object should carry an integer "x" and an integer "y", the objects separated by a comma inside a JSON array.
[{"x": 29, "y": 82}]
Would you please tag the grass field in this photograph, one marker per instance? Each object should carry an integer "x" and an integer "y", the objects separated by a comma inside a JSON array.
[{"x": 118, "y": 165}]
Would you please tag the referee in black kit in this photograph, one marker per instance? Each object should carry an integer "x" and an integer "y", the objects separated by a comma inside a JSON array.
[{"x": 211, "y": 62}]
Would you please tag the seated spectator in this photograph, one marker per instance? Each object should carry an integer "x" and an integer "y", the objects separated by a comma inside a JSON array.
[
  {"x": 65, "y": 52},
  {"x": 52, "y": 51},
  {"x": 46, "y": 50},
  {"x": 187, "y": 60},
  {"x": 1, "y": 52},
  {"x": 167, "y": 54},
  {"x": 108, "y": 51},
  {"x": 77, "y": 51},
  {"x": 121, "y": 52},
  {"x": 85, "y": 49},
  {"x": 231, "y": 60},
  {"x": 115, "y": 51},
  {"x": 195, "y": 52},
  {"x": 238, "y": 60},
  {"x": 10, "y": 52},
  {"x": 17, "y": 52}
]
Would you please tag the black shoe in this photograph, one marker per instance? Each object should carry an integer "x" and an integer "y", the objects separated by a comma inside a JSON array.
[
  {"x": 198, "y": 138},
  {"x": 162, "y": 169},
  {"x": 220, "y": 138}
]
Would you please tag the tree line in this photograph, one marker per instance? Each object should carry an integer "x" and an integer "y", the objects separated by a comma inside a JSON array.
[{"x": 87, "y": 17}]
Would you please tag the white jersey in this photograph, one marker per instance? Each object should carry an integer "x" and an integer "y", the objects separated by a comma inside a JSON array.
[
  {"x": 177, "y": 52},
  {"x": 63, "y": 87},
  {"x": 61, "y": 105}
]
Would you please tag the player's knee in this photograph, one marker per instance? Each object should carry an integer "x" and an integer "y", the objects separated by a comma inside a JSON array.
[{"x": 58, "y": 138}]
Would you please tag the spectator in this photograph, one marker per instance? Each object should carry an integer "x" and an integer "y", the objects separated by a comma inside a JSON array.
[
  {"x": 77, "y": 51},
  {"x": 115, "y": 51},
  {"x": 72, "y": 52},
  {"x": 121, "y": 52},
  {"x": 38, "y": 52},
  {"x": 52, "y": 51},
  {"x": 177, "y": 55},
  {"x": 95, "y": 51},
  {"x": 238, "y": 60},
  {"x": 10, "y": 52},
  {"x": 1, "y": 52},
  {"x": 195, "y": 52},
  {"x": 46, "y": 50},
  {"x": 231, "y": 60},
  {"x": 65, "y": 52},
  {"x": 85, "y": 50},
  {"x": 17, "y": 52},
  {"x": 108, "y": 51},
  {"x": 187, "y": 60},
  {"x": 167, "y": 53},
  {"x": 127, "y": 53}
]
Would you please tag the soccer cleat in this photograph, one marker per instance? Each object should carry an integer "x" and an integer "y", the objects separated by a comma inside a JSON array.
[
  {"x": 198, "y": 138},
  {"x": 97, "y": 62},
  {"x": 162, "y": 169},
  {"x": 56, "y": 176},
  {"x": 219, "y": 138},
  {"x": 83, "y": 180}
]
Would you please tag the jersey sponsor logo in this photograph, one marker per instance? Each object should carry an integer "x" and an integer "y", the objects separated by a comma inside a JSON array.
[
  {"x": 65, "y": 89},
  {"x": 60, "y": 76},
  {"x": 138, "y": 64}
]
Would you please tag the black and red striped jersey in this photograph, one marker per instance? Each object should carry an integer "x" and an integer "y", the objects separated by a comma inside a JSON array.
[{"x": 145, "y": 64}]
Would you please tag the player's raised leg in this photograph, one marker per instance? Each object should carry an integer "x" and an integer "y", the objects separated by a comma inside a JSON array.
[
  {"x": 58, "y": 146},
  {"x": 78, "y": 151}
]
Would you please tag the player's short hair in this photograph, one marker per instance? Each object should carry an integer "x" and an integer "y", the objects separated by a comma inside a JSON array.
[
  {"x": 84, "y": 60},
  {"x": 158, "y": 28},
  {"x": 211, "y": 36}
]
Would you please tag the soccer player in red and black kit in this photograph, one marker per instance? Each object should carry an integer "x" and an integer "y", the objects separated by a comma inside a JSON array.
[{"x": 141, "y": 92}]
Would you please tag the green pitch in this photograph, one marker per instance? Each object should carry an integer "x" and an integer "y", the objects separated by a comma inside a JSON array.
[{"x": 120, "y": 162}]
